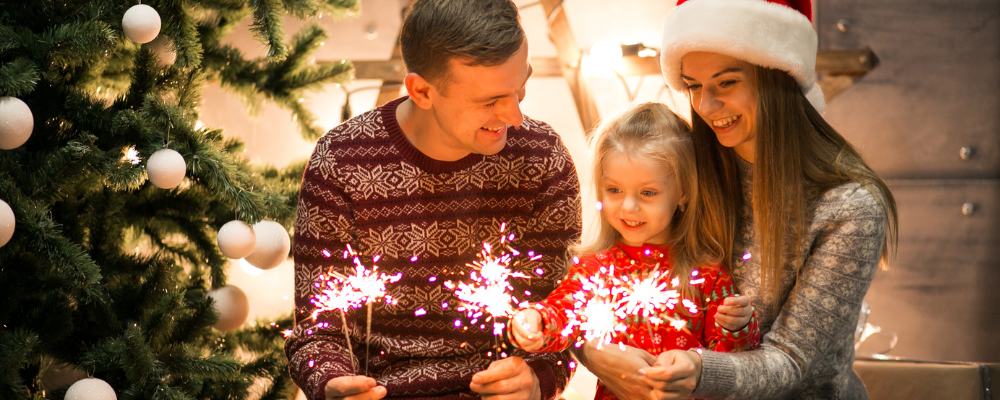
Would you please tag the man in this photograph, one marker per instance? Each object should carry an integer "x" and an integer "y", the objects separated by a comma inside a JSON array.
[{"x": 433, "y": 175}]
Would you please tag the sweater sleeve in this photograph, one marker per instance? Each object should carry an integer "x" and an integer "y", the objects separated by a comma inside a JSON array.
[
  {"x": 553, "y": 225},
  {"x": 557, "y": 333},
  {"x": 317, "y": 350},
  {"x": 817, "y": 313},
  {"x": 715, "y": 336}
]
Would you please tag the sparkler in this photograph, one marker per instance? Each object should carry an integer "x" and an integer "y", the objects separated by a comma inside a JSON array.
[
  {"x": 335, "y": 294},
  {"x": 596, "y": 309},
  {"x": 488, "y": 296},
  {"x": 364, "y": 286},
  {"x": 605, "y": 301},
  {"x": 370, "y": 284}
]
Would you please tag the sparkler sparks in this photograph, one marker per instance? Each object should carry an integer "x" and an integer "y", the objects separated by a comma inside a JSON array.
[
  {"x": 342, "y": 292},
  {"x": 606, "y": 300},
  {"x": 487, "y": 298}
]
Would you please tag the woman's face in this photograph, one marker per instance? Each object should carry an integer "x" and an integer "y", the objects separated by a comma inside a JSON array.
[{"x": 723, "y": 93}]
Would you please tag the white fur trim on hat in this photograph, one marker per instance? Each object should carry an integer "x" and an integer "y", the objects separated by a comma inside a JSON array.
[{"x": 756, "y": 31}]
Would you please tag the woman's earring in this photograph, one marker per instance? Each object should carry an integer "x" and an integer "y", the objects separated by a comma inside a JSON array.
[{"x": 682, "y": 207}]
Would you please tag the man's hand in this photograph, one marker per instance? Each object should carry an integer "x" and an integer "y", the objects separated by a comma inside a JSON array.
[
  {"x": 354, "y": 387},
  {"x": 509, "y": 378},
  {"x": 526, "y": 327},
  {"x": 674, "y": 376},
  {"x": 618, "y": 368},
  {"x": 734, "y": 313}
]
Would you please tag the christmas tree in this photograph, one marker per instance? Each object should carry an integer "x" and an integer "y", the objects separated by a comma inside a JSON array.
[{"x": 111, "y": 196}]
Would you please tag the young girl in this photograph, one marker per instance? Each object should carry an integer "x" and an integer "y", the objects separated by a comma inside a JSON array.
[{"x": 651, "y": 228}]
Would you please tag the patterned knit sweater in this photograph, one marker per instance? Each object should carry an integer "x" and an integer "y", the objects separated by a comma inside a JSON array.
[
  {"x": 711, "y": 284},
  {"x": 367, "y": 186},
  {"x": 807, "y": 349}
]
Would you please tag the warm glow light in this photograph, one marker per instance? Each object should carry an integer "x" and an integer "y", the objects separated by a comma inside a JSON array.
[{"x": 603, "y": 59}]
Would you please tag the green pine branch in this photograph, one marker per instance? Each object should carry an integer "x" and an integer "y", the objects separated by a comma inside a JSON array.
[
  {"x": 267, "y": 26},
  {"x": 18, "y": 78}
]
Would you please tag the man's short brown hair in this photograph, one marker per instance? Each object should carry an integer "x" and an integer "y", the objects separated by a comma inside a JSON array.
[{"x": 479, "y": 32}]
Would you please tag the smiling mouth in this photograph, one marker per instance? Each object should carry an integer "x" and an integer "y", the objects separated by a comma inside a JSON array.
[
  {"x": 632, "y": 224},
  {"x": 495, "y": 131},
  {"x": 723, "y": 123}
]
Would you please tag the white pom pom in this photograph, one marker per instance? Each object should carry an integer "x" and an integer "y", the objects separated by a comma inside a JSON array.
[
  {"x": 232, "y": 306},
  {"x": 90, "y": 389},
  {"x": 141, "y": 23},
  {"x": 272, "y": 245},
  {"x": 7, "y": 222},
  {"x": 166, "y": 168},
  {"x": 16, "y": 123},
  {"x": 236, "y": 239}
]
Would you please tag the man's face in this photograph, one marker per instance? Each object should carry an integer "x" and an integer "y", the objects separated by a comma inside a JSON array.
[{"x": 475, "y": 105}]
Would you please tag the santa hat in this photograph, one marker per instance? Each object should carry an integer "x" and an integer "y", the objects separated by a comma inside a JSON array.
[{"x": 776, "y": 34}]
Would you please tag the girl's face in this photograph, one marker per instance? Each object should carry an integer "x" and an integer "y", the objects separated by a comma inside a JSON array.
[
  {"x": 722, "y": 93},
  {"x": 639, "y": 197}
]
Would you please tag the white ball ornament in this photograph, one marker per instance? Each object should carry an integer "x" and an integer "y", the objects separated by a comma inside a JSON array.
[
  {"x": 141, "y": 23},
  {"x": 16, "y": 123},
  {"x": 90, "y": 389},
  {"x": 272, "y": 245},
  {"x": 232, "y": 306},
  {"x": 236, "y": 239},
  {"x": 166, "y": 168},
  {"x": 7, "y": 222}
]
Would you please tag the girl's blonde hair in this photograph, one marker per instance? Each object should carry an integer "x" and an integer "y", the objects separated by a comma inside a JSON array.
[{"x": 652, "y": 132}]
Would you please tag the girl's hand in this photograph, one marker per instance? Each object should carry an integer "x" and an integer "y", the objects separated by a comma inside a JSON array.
[
  {"x": 526, "y": 327},
  {"x": 734, "y": 313},
  {"x": 617, "y": 367},
  {"x": 674, "y": 376}
]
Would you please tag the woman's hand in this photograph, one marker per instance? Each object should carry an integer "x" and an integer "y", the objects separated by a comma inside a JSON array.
[
  {"x": 526, "y": 327},
  {"x": 618, "y": 368},
  {"x": 674, "y": 376}
]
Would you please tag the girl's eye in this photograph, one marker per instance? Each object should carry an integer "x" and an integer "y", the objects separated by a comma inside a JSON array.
[
  {"x": 649, "y": 193},
  {"x": 490, "y": 104},
  {"x": 728, "y": 83},
  {"x": 693, "y": 86},
  {"x": 613, "y": 190}
]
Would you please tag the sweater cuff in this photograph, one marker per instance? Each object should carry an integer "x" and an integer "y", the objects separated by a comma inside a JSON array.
[
  {"x": 718, "y": 376},
  {"x": 546, "y": 378}
]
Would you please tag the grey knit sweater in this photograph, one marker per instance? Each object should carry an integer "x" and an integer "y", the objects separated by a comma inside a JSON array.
[{"x": 808, "y": 345}]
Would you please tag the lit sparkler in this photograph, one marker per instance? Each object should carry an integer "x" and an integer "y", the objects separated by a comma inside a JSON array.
[
  {"x": 335, "y": 294},
  {"x": 488, "y": 297},
  {"x": 364, "y": 286},
  {"x": 606, "y": 300}
]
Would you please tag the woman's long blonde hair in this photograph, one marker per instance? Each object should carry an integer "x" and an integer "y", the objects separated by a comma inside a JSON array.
[
  {"x": 651, "y": 131},
  {"x": 798, "y": 156}
]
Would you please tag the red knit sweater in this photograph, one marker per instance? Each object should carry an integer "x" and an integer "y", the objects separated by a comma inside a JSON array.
[
  {"x": 711, "y": 283},
  {"x": 366, "y": 185}
]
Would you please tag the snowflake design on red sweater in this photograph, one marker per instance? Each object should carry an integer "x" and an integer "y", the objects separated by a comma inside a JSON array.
[
  {"x": 424, "y": 239},
  {"x": 323, "y": 160},
  {"x": 386, "y": 241}
]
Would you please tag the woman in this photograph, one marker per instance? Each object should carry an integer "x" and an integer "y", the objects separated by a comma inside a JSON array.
[{"x": 807, "y": 219}]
